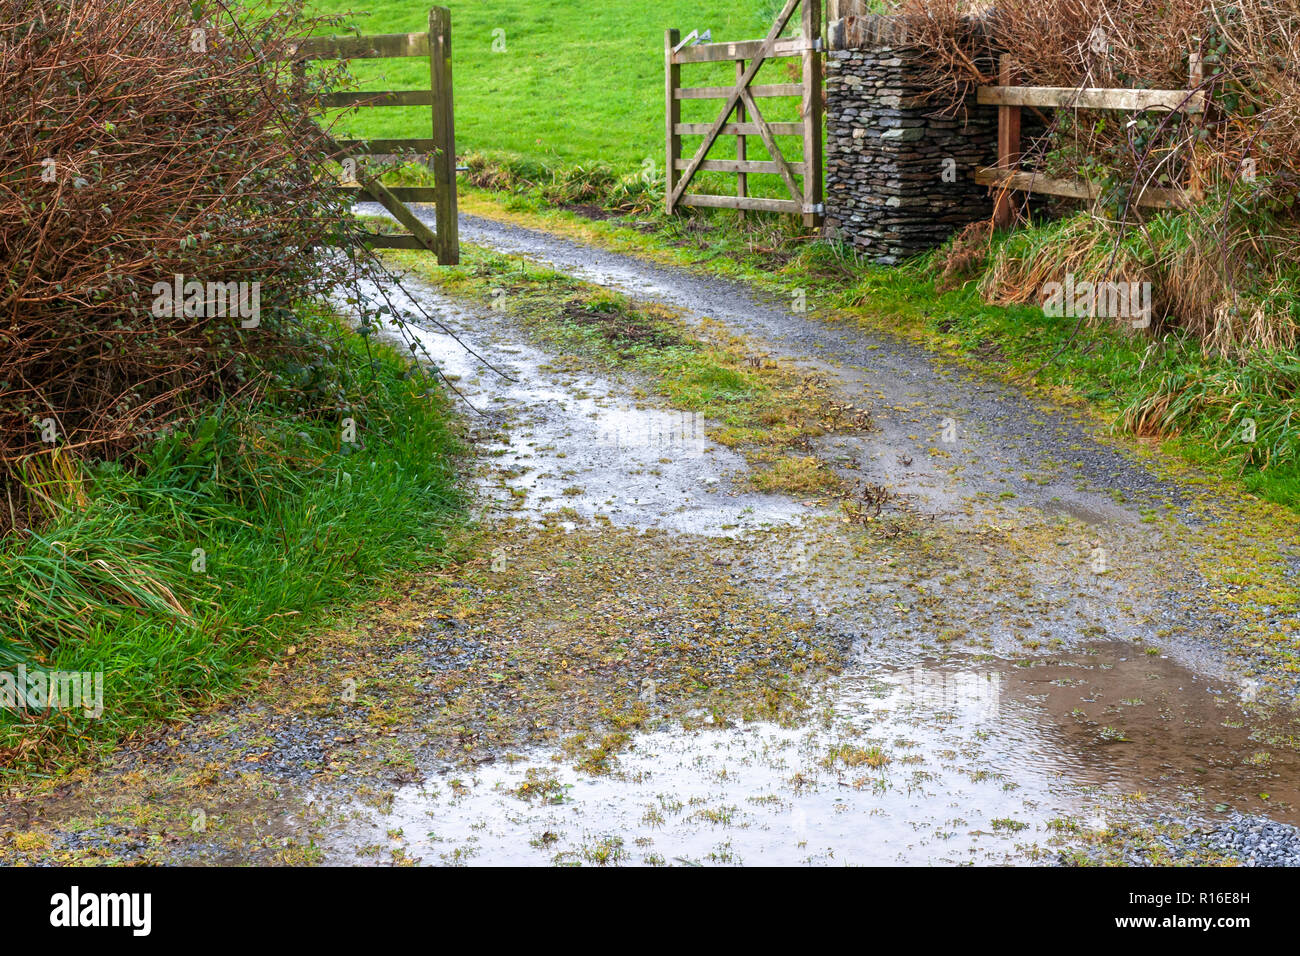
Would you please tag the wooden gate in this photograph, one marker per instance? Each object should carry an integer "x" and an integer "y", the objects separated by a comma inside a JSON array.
[
  {"x": 439, "y": 150},
  {"x": 742, "y": 100}
]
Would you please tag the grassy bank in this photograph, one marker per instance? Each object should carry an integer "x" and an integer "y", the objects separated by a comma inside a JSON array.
[{"x": 179, "y": 574}]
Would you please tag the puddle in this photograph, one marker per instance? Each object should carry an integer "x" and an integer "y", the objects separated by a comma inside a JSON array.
[
  {"x": 1130, "y": 721},
  {"x": 563, "y": 439},
  {"x": 754, "y": 793},
  {"x": 928, "y": 764}
]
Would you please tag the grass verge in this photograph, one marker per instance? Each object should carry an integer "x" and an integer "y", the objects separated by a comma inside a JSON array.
[{"x": 176, "y": 575}]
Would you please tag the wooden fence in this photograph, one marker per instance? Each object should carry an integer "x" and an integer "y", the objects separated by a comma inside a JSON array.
[
  {"x": 742, "y": 100},
  {"x": 439, "y": 149},
  {"x": 1010, "y": 99}
]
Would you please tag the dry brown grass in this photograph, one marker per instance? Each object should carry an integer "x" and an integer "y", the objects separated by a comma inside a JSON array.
[
  {"x": 965, "y": 255},
  {"x": 1226, "y": 281}
]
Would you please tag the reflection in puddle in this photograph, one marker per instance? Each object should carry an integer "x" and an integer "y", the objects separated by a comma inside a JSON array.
[
  {"x": 1142, "y": 722},
  {"x": 916, "y": 765},
  {"x": 571, "y": 440}
]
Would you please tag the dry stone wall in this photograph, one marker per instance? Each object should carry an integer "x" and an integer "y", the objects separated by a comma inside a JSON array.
[{"x": 900, "y": 170}]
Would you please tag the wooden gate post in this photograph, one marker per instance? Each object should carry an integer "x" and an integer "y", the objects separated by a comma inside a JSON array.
[
  {"x": 444, "y": 136},
  {"x": 742, "y": 149},
  {"x": 1195, "y": 80},
  {"x": 811, "y": 113},
  {"x": 1004, "y": 212},
  {"x": 673, "y": 112}
]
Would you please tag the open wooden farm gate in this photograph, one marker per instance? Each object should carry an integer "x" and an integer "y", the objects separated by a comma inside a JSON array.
[
  {"x": 439, "y": 149},
  {"x": 802, "y": 178}
]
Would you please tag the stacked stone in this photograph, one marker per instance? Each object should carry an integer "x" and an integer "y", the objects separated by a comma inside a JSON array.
[{"x": 888, "y": 150}]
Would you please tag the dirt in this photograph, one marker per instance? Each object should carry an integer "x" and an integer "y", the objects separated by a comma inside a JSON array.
[
  {"x": 1017, "y": 654},
  {"x": 588, "y": 211}
]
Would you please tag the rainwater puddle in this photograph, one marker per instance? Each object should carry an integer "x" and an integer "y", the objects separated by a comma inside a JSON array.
[
  {"x": 568, "y": 439},
  {"x": 929, "y": 764}
]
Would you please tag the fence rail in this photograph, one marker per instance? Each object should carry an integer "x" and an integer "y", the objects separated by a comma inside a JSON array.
[{"x": 1010, "y": 98}]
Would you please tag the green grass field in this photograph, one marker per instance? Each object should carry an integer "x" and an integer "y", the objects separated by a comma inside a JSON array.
[{"x": 572, "y": 81}]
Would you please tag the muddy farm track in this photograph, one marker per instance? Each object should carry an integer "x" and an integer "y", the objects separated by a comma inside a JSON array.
[{"x": 1024, "y": 648}]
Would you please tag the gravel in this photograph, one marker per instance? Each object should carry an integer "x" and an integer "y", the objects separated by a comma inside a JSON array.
[
  {"x": 1256, "y": 841},
  {"x": 1249, "y": 840}
]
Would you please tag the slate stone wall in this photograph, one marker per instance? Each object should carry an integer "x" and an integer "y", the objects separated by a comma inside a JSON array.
[{"x": 900, "y": 171}]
